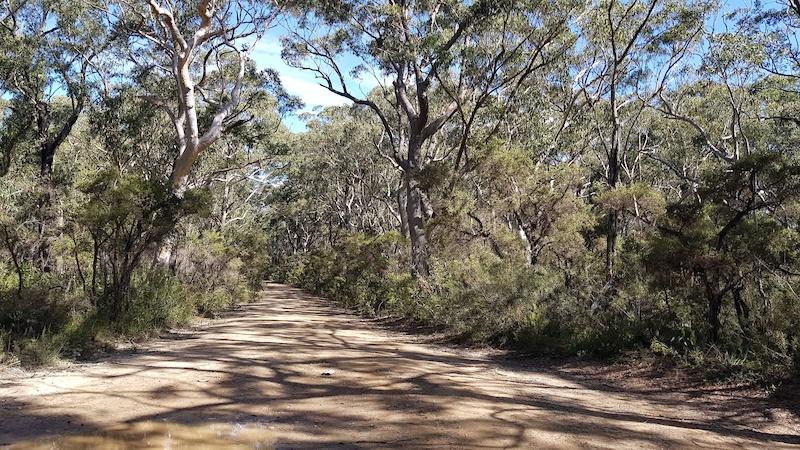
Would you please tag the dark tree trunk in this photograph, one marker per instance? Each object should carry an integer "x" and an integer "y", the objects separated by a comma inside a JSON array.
[
  {"x": 714, "y": 309},
  {"x": 742, "y": 309},
  {"x": 420, "y": 248},
  {"x": 415, "y": 210},
  {"x": 612, "y": 233},
  {"x": 48, "y": 153},
  {"x": 611, "y": 240},
  {"x": 50, "y": 145},
  {"x": 402, "y": 207}
]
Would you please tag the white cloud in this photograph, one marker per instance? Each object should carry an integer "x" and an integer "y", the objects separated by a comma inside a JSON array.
[
  {"x": 304, "y": 85},
  {"x": 312, "y": 93},
  {"x": 296, "y": 81}
]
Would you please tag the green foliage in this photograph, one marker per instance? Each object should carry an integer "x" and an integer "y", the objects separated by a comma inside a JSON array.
[
  {"x": 359, "y": 272},
  {"x": 95, "y": 287},
  {"x": 485, "y": 298},
  {"x": 85, "y": 148},
  {"x": 720, "y": 249},
  {"x": 661, "y": 349},
  {"x": 157, "y": 301},
  {"x": 44, "y": 350},
  {"x": 214, "y": 275},
  {"x": 126, "y": 215},
  {"x": 637, "y": 199},
  {"x": 35, "y": 309}
]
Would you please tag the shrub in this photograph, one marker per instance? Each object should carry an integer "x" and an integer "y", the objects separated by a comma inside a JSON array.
[
  {"x": 156, "y": 301},
  {"x": 44, "y": 350}
]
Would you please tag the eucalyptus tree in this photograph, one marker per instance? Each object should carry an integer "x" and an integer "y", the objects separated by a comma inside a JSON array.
[
  {"x": 631, "y": 50},
  {"x": 360, "y": 184},
  {"x": 52, "y": 62},
  {"x": 728, "y": 231},
  {"x": 333, "y": 184},
  {"x": 520, "y": 180},
  {"x": 237, "y": 169},
  {"x": 436, "y": 63},
  {"x": 537, "y": 200},
  {"x": 730, "y": 241},
  {"x": 192, "y": 60},
  {"x": 770, "y": 35},
  {"x": 127, "y": 134},
  {"x": 52, "y": 49},
  {"x": 776, "y": 30}
]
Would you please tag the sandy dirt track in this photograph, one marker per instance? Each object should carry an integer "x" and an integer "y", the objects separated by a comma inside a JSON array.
[{"x": 317, "y": 377}]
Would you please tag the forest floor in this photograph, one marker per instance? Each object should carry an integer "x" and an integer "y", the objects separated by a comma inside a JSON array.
[{"x": 293, "y": 371}]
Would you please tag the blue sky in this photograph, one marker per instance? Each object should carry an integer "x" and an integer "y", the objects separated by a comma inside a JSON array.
[{"x": 296, "y": 82}]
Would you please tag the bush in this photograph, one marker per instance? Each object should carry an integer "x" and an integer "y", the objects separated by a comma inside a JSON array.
[
  {"x": 44, "y": 350},
  {"x": 46, "y": 324},
  {"x": 539, "y": 309},
  {"x": 156, "y": 301},
  {"x": 33, "y": 312},
  {"x": 213, "y": 274},
  {"x": 361, "y": 271}
]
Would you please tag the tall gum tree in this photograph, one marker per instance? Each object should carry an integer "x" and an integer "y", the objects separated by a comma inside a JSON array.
[
  {"x": 52, "y": 51},
  {"x": 437, "y": 63},
  {"x": 50, "y": 67},
  {"x": 192, "y": 60},
  {"x": 774, "y": 33},
  {"x": 631, "y": 50},
  {"x": 741, "y": 128},
  {"x": 191, "y": 45}
]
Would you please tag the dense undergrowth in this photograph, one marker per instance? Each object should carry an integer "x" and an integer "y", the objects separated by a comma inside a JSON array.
[
  {"x": 485, "y": 300},
  {"x": 54, "y": 320},
  {"x": 480, "y": 299}
]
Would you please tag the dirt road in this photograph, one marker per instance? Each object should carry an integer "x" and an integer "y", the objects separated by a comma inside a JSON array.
[{"x": 315, "y": 377}]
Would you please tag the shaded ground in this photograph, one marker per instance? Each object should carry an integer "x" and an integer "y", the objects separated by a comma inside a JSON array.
[{"x": 320, "y": 378}]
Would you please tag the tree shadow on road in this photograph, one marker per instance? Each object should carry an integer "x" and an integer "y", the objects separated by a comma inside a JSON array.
[{"x": 320, "y": 378}]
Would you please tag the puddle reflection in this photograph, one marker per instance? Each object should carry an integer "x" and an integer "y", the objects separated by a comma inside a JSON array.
[{"x": 162, "y": 435}]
